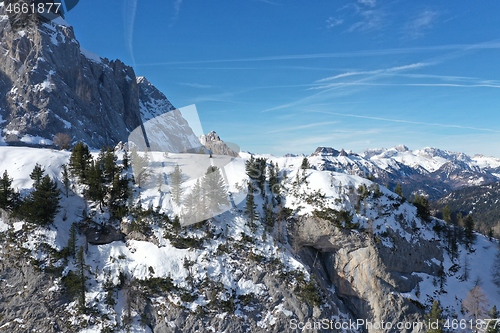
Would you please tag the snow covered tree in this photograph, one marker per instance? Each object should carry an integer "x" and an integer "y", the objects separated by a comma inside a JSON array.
[
  {"x": 475, "y": 303},
  {"x": 435, "y": 317},
  {"x": 176, "y": 185}
]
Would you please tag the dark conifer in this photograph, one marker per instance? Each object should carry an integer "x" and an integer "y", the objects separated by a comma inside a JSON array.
[
  {"x": 8, "y": 197},
  {"x": 79, "y": 161},
  {"x": 42, "y": 204}
]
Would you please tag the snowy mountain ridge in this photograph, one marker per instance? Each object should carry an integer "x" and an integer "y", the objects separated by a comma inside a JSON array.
[{"x": 431, "y": 171}]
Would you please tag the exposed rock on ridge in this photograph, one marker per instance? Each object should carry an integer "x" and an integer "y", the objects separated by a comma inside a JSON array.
[{"x": 218, "y": 147}]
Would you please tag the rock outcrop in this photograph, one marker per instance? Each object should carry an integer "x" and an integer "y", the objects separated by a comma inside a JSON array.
[{"x": 216, "y": 146}]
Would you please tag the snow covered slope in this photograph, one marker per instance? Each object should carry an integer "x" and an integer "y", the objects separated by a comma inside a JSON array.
[{"x": 337, "y": 247}]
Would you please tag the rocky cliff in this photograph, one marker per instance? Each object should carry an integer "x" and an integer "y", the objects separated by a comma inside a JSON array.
[{"x": 50, "y": 85}]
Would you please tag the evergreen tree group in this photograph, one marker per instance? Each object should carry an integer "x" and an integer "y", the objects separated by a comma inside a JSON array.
[
  {"x": 206, "y": 198},
  {"x": 101, "y": 177}
]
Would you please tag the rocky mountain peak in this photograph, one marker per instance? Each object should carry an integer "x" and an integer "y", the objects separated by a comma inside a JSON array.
[
  {"x": 325, "y": 151},
  {"x": 50, "y": 85},
  {"x": 213, "y": 142}
]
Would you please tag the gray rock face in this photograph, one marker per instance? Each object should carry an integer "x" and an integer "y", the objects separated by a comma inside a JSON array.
[
  {"x": 26, "y": 297},
  {"x": 367, "y": 276},
  {"x": 49, "y": 85},
  {"x": 218, "y": 147}
]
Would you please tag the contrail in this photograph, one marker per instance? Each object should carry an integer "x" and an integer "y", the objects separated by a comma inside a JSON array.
[
  {"x": 406, "y": 121},
  {"x": 365, "y": 53},
  {"x": 129, "y": 11}
]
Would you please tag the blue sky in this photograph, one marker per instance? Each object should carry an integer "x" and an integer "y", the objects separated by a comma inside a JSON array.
[{"x": 277, "y": 76}]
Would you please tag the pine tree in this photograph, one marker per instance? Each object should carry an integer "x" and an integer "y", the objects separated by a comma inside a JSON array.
[
  {"x": 80, "y": 264},
  {"x": 176, "y": 223},
  {"x": 139, "y": 167},
  {"x": 96, "y": 190},
  {"x": 422, "y": 205},
  {"x": 176, "y": 185},
  {"x": 214, "y": 190},
  {"x": 42, "y": 204},
  {"x": 493, "y": 325},
  {"x": 250, "y": 168},
  {"x": 107, "y": 161},
  {"x": 66, "y": 182},
  {"x": 79, "y": 161},
  {"x": 399, "y": 190},
  {"x": 433, "y": 317},
  {"x": 125, "y": 160},
  {"x": 195, "y": 204},
  {"x": 469, "y": 230},
  {"x": 36, "y": 175},
  {"x": 261, "y": 179},
  {"x": 72, "y": 240},
  {"x": 305, "y": 164},
  {"x": 8, "y": 197},
  {"x": 250, "y": 205},
  {"x": 447, "y": 214}
]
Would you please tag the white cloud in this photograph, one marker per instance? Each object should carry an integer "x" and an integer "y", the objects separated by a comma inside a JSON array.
[
  {"x": 421, "y": 23},
  {"x": 177, "y": 11},
  {"x": 369, "y": 3},
  {"x": 333, "y": 22},
  {"x": 370, "y": 20}
]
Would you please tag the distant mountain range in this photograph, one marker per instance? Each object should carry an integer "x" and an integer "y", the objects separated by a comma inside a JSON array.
[{"x": 430, "y": 171}]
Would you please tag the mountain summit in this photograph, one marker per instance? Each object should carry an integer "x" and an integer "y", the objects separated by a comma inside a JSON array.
[{"x": 49, "y": 84}]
